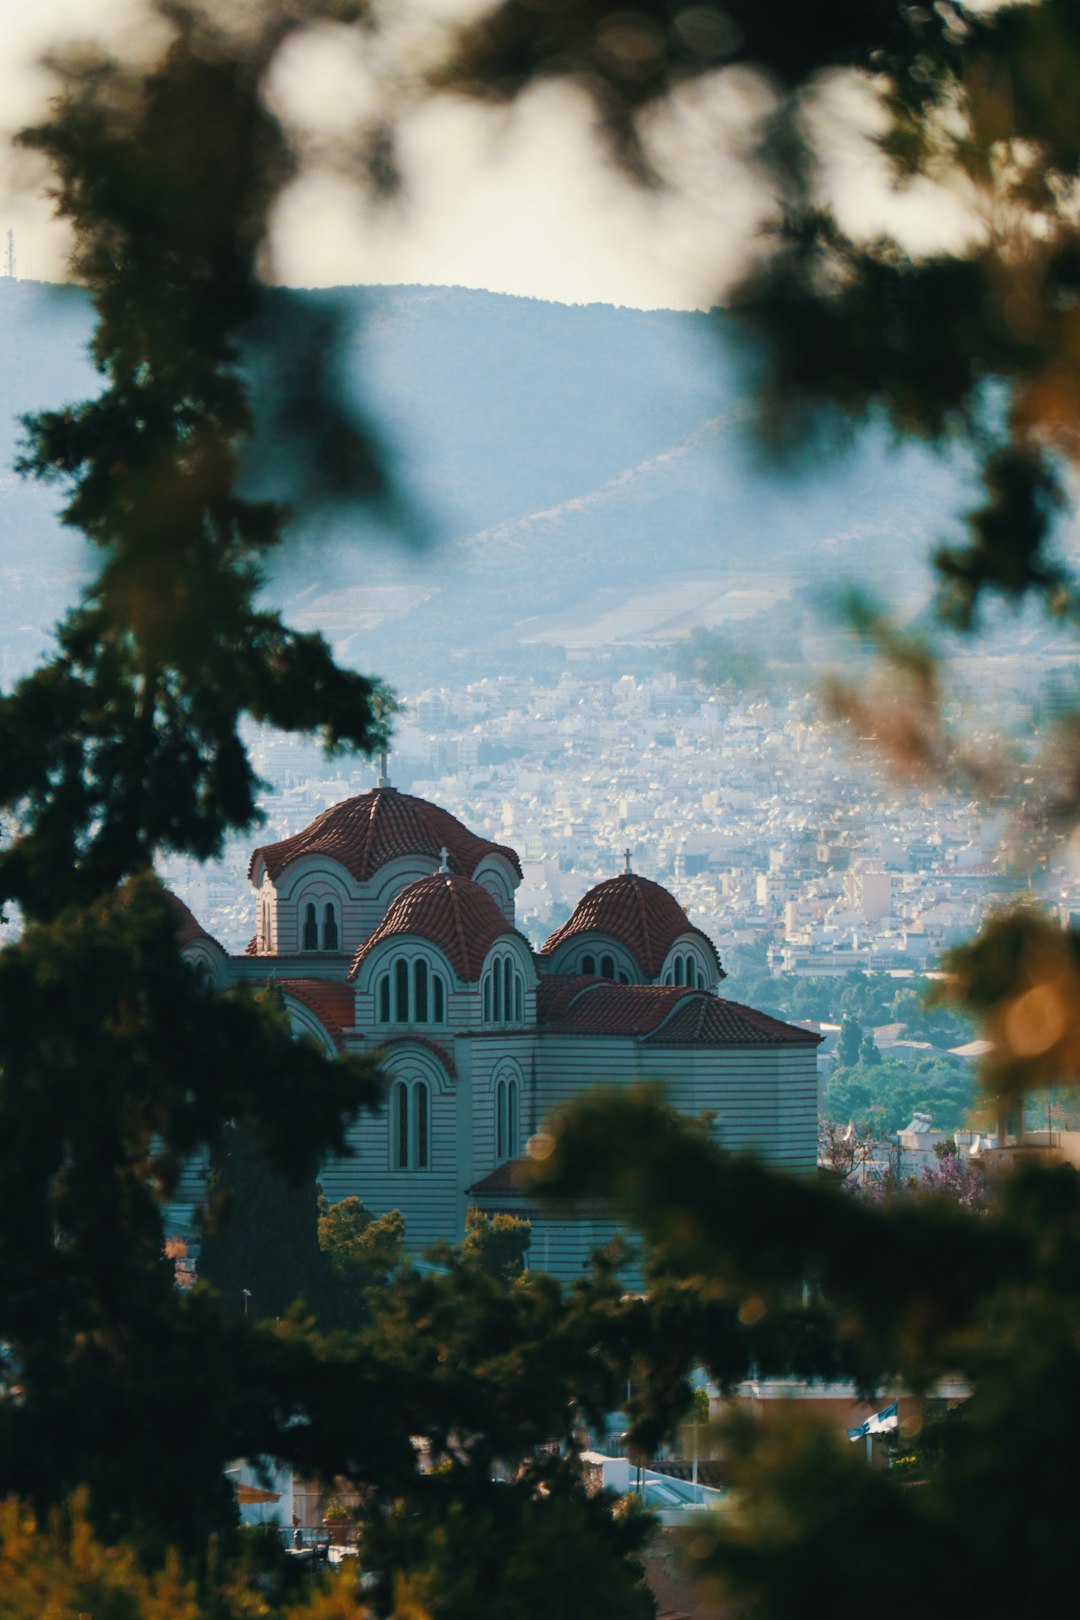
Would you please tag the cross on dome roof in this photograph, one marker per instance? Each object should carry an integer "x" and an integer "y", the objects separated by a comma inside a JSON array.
[
  {"x": 454, "y": 913},
  {"x": 640, "y": 914}
]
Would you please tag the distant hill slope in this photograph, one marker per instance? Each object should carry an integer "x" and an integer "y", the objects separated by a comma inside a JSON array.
[{"x": 566, "y": 457}]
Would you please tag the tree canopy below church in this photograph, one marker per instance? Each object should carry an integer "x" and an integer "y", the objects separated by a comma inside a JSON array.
[{"x": 129, "y": 741}]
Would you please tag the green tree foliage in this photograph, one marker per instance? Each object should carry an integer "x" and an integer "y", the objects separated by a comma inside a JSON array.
[
  {"x": 116, "y": 1062},
  {"x": 715, "y": 661},
  {"x": 885, "y": 1094},
  {"x": 849, "y": 1043},
  {"x": 58, "y": 1567},
  {"x": 357, "y": 1251},
  {"x": 911, "y": 1291},
  {"x": 497, "y": 1243},
  {"x": 872, "y": 999},
  {"x": 262, "y": 1251},
  {"x": 495, "y": 1378}
]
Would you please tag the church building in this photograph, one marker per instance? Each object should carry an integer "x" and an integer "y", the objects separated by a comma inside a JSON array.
[{"x": 389, "y": 927}]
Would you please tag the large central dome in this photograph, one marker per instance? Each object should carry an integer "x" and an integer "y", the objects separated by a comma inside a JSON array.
[{"x": 364, "y": 833}]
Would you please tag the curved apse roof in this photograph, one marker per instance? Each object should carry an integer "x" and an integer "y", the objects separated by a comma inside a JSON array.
[
  {"x": 364, "y": 833},
  {"x": 640, "y": 914},
  {"x": 669, "y": 1015},
  {"x": 454, "y": 913}
]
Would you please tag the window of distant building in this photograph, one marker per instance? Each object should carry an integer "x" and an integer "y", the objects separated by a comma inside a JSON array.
[
  {"x": 411, "y": 993},
  {"x": 410, "y": 1125},
  {"x": 311, "y": 928},
  {"x": 507, "y": 1119},
  {"x": 503, "y": 993}
]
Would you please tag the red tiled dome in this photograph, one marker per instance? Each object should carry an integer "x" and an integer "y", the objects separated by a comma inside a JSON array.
[
  {"x": 452, "y": 912},
  {"x": 638, "y": 913},
  {"x": 188, "y": 926},
  {"x": 362, "y": 834}
]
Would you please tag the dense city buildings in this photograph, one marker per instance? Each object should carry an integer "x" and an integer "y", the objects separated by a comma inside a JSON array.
[{"x": 770, "y": 825}]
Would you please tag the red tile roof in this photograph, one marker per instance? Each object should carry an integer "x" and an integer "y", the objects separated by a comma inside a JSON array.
[
  {"x": 556, "y": 990},
  {"x": 599, "y": 1007},
  {"x": 421, "y": 1040},
  {"x": 334, "y": 1005},
  {"x": 452, "y": 912},
  {"x": 188, "y": 926},
  {"x": 705, "y": 1020},
  {"x": 638, "y": 913},
  {"x": 668, "y": 1015},
  {"x": 362, "y": 834},
  {"x": 505, "y": 1178}
]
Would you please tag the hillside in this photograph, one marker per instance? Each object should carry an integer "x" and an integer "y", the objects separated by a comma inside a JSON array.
[{"x": 584, "y": 472}]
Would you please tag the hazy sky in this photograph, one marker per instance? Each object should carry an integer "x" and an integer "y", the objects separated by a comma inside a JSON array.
[{"x": 521, "y": 202}]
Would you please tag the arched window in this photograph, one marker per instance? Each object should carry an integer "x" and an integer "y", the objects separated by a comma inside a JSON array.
[
  {"x": 678, "y": 970},
  {"x": 503, "y": 993},
  {"x": 607, "y": 967},
  {"x": 420, "y": 991},
  {"x": 421, "y": 1118},
  {"x": 399, "y": 1115},
  {"x": 410, "y": 1125},
  {"x": 329, "y": 927},
  {"x": 624, "y": 978},
  {"x": 439, "y": 999},
  {"x": 512, "y": 1118},
  {"x": 507, "y": 1110},
  {"x": 311, "y": 928},
  {"x": 588, "y": 964},
  {"x": 401, "y": 991},
  {"x": 384, "y": 998}
]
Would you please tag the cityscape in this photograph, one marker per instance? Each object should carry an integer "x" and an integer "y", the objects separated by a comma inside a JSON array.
[{"x": 773, "y": 825}]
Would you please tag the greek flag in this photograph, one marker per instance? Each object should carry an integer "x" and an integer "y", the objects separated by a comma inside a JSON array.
[{"x": 880, "y": 1423}]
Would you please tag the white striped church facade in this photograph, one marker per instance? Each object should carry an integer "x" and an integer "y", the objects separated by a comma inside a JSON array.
[{"x": 389, "y": 928}]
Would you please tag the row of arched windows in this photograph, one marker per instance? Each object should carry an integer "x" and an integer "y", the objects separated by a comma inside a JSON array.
[
  {"x": 606, "y": 968},
  {"x": 410, "y": 1125},
  {"x": 320, "y": 933},
  {"x": 504, "y": 994},
  {"x": 684, "y": 970},
  {"x": 411, "y": 997}
]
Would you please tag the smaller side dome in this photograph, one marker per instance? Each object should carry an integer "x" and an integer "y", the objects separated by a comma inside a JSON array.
[
  {"x": 188, "y": 927},
  {"x": 454, "y": 913},
  {"x": 638, "y": 913}
]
